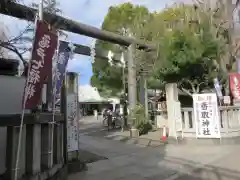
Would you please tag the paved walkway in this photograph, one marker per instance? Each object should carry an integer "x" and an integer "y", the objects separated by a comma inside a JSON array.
[
  {"x": 92, "y": 126},
  {"x": 166, "y": 162}
]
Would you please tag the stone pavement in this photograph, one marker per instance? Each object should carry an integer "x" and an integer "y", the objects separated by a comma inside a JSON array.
[
  {"x": 151, "y": 139},
  {"x": 166, "y": 162},
  {"x": 91, "y": 126}
]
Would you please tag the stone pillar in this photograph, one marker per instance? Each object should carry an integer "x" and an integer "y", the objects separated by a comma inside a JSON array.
[
  {"x": 46, "y": 147},
  {"x": 145, "y": 97},
  {"x": 171, "y": 92},
  {"x": 33, "y": 149},
  {"x": 57, "y": 144},
  {"x": 132, "y": 82},
  {"x": 11, "y": 152},
  {"x": 3, "y": 141},
  {"x": 172, "y": 99},
  {"x": 142, "y": 93},
  {"x": 72, "y": 88}
]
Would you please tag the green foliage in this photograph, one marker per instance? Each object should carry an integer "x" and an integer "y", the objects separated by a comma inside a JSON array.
[
  {"x": 191, "y": 40},
  {"x": 119, "y": 19},
  {"x": 137, "y": 115},
  {"x": 189, "y": 49},
  {"x": 50, "y": 6},
  {"x": 144, "y": 127},
  {"x": 139, "y": 121}
]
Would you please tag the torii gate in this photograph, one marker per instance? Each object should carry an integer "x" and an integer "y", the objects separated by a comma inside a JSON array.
[{"x": 23, "y": 12}]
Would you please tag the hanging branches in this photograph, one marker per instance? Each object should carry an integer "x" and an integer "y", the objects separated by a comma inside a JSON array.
[
  {"x": 10, "y": 44},
  {"x": 21, "y": 43}
]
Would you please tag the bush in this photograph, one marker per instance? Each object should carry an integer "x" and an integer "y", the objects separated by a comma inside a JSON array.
[
  {"x": 144, "y": 127},
  {"x": 139, "y": 121}
]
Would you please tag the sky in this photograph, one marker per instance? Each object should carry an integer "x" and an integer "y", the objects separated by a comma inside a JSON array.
[{"x": 91, "y": 12}]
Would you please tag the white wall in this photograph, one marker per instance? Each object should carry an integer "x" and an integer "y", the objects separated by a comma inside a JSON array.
[{"x": 11, "y": 91}]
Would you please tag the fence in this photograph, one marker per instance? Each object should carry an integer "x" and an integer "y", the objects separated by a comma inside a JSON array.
[
  {"x": 229, "y": 121},
  {"x": 38, "y": 158}
]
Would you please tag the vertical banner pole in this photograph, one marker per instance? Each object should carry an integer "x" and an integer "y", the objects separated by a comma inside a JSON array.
[
  {"x": 20, "y": 131},
  {"x": 54, "y": 102},
  {"x": 40, "y": 9},
  {"x": 24, "y": 103},
  {"x": 44, "y": 88}
]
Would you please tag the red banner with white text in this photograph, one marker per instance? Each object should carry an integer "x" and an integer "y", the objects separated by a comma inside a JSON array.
[
  {"x": 40, "y": 65},
  {"x": 234, "y": 82}
]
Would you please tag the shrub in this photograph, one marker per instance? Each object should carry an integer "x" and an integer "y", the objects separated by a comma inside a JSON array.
[
  {"x": 139, "y": 121},
  {"x": 144, "y": 127}
]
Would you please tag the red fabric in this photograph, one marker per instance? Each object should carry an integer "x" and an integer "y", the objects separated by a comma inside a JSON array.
[
  {"x": 234, "y": 82},
  {"x": 40, "y": 65}
]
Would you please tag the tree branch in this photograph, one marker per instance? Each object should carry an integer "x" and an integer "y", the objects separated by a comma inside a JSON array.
[
  {"x": 186, "y": 91},
  {"x": 15, "y": 38},
  {"x": 198, "y": 87},
  {"x": 192, "y": 85},
  {"x": 14, "y": 49}
]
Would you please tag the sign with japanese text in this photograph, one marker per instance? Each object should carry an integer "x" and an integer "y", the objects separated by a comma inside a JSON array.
[
  {"x": 72, "y": 122},
  {"x": 40, "y": 65},
  {"x": 206, "y": 115},
  {"x": 64, "y": 53},
  {"x": 234, "y": 82}
]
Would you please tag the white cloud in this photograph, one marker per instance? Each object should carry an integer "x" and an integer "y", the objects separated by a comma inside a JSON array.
[{"x": 78, "y": 62}]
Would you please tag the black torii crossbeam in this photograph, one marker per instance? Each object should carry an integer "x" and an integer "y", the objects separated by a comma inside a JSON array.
[{"x": 10, "y": 8}]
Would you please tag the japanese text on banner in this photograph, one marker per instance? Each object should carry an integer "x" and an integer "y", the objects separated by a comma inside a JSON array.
[
  {"x": 40, "y": 66},
  {"x": 64, "y": 52}
]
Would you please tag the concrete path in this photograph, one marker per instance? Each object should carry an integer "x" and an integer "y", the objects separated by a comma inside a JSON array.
[
  {"x": 130, "y": 162},
  {"x": 92, "y": 126}
]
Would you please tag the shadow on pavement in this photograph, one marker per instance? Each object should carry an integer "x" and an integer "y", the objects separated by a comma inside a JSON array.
[
  {"x": 203, "y": 172},
  {"x": 147, "y": 165},
  {"x": 150, "y": 163},
  {"x": 89, "y": 157}
]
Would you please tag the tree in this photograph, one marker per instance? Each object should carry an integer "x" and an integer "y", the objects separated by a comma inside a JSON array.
[
  {"x": 219, "y": 17},
  {"x": 194, "y": 44},
  {"x": 22, "y": 42},
  {"x": 119, "y": 19},
  {"x": 190, "y": 48},
  {"x": 50, "y": 6}
]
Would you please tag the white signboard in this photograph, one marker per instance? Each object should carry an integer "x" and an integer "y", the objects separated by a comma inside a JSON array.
[
  {"x": 206, "y": 115},
  {"x": 72, "y": 122}
]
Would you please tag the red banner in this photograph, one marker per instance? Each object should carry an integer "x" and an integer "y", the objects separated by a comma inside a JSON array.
[
  {"x": 234, "y": 81},
  {"x": 40, "y": 65}
]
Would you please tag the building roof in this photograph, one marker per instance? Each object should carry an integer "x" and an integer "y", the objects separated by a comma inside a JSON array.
[{"x": 87, "y": 93}]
